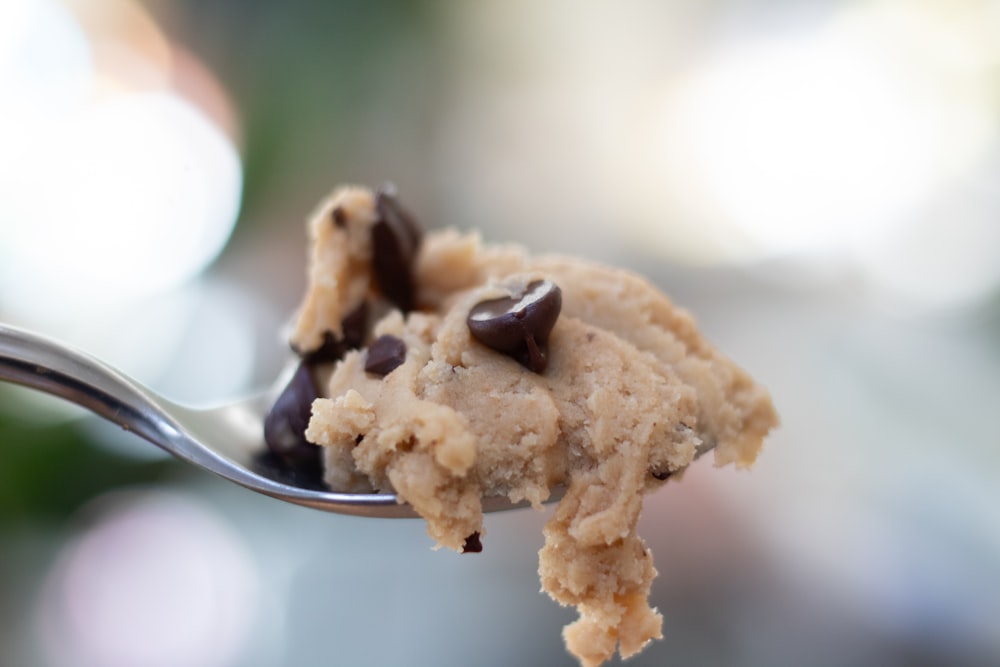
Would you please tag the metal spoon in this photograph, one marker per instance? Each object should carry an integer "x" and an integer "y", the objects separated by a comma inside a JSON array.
[{"x": 227, "y": 440}]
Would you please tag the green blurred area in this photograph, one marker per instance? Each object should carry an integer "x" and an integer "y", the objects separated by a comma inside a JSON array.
[
  {"x": 306, "y": 77},
  {"x": 49, "y": 470}
]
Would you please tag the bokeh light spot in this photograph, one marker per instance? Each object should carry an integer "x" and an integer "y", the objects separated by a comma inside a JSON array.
[{"x": 158, "y": 579}]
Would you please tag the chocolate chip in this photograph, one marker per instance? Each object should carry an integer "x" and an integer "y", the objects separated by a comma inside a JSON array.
[
  {"x": 353, "y": 327},
  {"x": 385, "y": 354},
  {"x": 395, "y": 239},
  {"x": 387, "y": 204},
  {"x": 303, "y": 474},
  {"x": 519, "y": 326},
  {"x": 339, "y": 216},
  {"x": 473, "y": 545},
  {"x": 285, "y": 425}
]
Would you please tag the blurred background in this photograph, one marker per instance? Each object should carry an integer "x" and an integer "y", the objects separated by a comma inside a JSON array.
[{"x": 818, "y": 181}]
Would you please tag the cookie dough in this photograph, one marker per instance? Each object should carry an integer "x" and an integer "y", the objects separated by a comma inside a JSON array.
[{"x": 458, "y": 370}]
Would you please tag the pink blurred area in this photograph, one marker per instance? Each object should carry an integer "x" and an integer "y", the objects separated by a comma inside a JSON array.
[{"x": 814, "y": 181}]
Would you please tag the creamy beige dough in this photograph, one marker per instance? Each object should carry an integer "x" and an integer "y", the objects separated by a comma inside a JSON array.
[{"x": 631, "y": 394}]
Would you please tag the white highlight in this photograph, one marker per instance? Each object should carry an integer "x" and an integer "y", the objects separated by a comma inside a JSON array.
[
  {"x": 815, "y": 142},
  {"x": 110, "y": 194}
]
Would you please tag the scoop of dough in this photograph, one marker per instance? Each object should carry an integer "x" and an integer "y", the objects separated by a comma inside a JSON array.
[{"x": 630, "y": 394}]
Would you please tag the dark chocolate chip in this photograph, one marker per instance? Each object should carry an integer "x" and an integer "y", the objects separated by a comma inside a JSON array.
[
  {"x": 519, "y": 326},
  {"x": 329, "y": 350},
  {"x": 388, "y": 206},
  {"x": 339, "y": 216},
  {"x": 385, "y": 354},
  {"x": 354, "y": 325},
  {"x": 305, "y": 474},
  {"x": 285, "y": 425},
  {"x": 333, "y": 348},
  {"x": 473, "y": 545},
  {"x": 395, "y": 240}
]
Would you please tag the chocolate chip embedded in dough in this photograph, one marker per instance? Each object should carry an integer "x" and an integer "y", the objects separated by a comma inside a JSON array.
[
  {"x": 353, "y": 327},
  {"x": 473, "y": 545},
  {"x": 519, "y": 326},
  {"x": 339, "y": 217},
  {"x": 387, "y": 205},
  {"x": 395, "y": 240},
  {"x": 285, "y": 424},
  {"x": 385, "y": 355}
]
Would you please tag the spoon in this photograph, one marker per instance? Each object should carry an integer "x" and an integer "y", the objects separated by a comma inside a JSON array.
[{"x": 226, "y": 440}]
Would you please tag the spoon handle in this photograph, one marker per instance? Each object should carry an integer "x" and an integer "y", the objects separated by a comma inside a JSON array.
[{"x": 40, "y": 363}]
